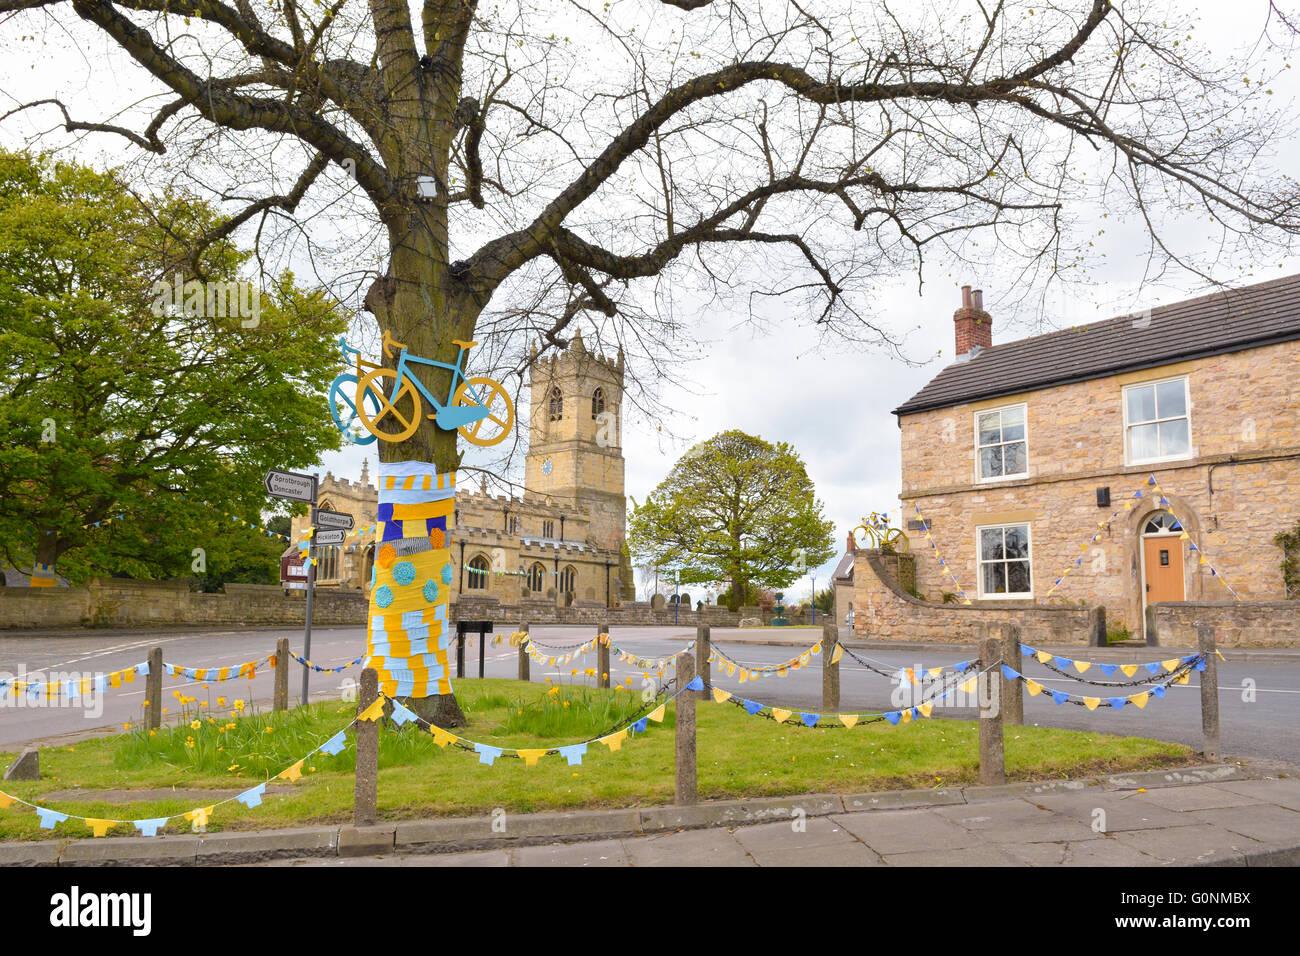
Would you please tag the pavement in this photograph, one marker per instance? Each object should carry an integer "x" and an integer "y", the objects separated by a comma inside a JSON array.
[{"x": 1236, "y": 814}]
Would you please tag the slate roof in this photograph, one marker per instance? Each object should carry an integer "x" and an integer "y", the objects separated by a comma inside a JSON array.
[
  {"x": 1229, "y": 320},
  {"x": 844, "y": 570}
]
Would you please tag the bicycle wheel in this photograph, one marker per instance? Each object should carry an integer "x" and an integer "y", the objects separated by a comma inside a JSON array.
[
  {"x": 395, "y": 419},
  {"x": 500, "y": 410},
  {"x": 343, "y": 408},
  {"x": 897, "y": 540}
]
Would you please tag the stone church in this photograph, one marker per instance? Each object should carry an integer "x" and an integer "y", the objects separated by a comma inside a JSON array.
[{"x": 562, "y": 542}]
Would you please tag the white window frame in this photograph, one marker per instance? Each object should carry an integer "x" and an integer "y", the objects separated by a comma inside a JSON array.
[
  {"x": 1187, "y": 404},
  {"x": 975, "y": 427},
  {"x": 979, "y": 563}
]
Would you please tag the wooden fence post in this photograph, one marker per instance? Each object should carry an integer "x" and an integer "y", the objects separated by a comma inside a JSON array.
[
  {"x": 365, "y": 799},
  {"x": 1013, "y": 690},
  {"x": 685, "y": 769},
  {"x": 523, "y": 653},
  {"x": 153, "y": 691},
  {"x": 602, "y": 656},
  {"x": 830, "y": 670},
  {"x": 1209, "y": 690},
  {"x": 280, "y": 700},
  {"x": 702, "y": 651},
  {"x": 988, "y": 691}
]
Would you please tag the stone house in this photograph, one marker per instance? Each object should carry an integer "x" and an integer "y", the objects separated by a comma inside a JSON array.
[
  {"x": 561, "y": 542},
  {"x": 1028, "y": 462}
]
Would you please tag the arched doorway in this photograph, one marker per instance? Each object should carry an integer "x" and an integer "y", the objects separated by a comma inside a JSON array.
[{"x": 1163, "y": 578}]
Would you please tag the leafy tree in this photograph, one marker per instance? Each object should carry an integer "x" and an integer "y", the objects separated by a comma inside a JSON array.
[
  {"x": 825, "y": 600},
  {"x": 134, "y": 429},
  {"x": 734, "y": 508}
]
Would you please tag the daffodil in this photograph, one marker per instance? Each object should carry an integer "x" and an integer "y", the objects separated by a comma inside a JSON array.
[{"x": 194, "y": 725}]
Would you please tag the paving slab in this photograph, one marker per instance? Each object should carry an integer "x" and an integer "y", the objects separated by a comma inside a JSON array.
[
  {"x": 1205, "y": 797},
  {"x": 1150, "y": 779},
  {"x": 480, "y": 832},
  {"x": 1010, "y": 821},
  {"x": 1197, "y": 844},
  {"x": 597, "y": 853},
  {"x": 712, "y": 847},
  {"x": 982, "y": 854},
  {"x": 815, "y": 831},
  {"x": 1268, "y": 824},
  {"x": 906, "y": 831},
  {"x": 1106, "y": 852},
  {"x": 367, "y": 840},
  {"x": 476, "y": 858},
  {"x": 255, "y": 846},
  {"x": 1121, "y": 813},
  {"x": 132, "y": 851},
  {"x": 1034, "y": 854},
  {"x": 841, "y": 854},
  {"x": 901, "y": 799},
  {"x": 1284, "y": 793},
  {"x": 1003, "y": 790}
]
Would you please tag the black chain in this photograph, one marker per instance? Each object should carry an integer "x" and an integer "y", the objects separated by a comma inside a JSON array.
[
  {"x": 1101, "y": 683},
  {"x": 892, "y": 675}
]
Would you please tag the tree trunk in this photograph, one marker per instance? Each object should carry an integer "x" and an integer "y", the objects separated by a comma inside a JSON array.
[{"x": 413, "y": 305}]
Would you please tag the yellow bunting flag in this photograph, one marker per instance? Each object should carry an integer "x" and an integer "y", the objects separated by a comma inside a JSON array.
[
  {"x": 199, "y": 816},
  {"x": 837, "y": 653},
  {"x": 968, "y": 687},
  {"x": 934, "y": 671},
  {"x": 115, "y": 679},
  {"x": 1140, "y": 700},
  {"x": 440, "y": 736},
  {"x": 1082, "y": 666},
  {"x": 1092, "y": 703},
  {"x": 100, "y": 827},
  {"x": 720, "y": 695},
  {"x": 1033, "y": 687},
  {"x": 731, "y": 670},
  {"x": 781, "y": 715},
  {"x": 782, "y": 671},
  {"x": 1128, "y": 669},
  {"x": 531, "y": 757},
  {"x": 615, "y": 741},
  {"x": 925, "y": 708},
  {"x": 816, "y": 648},
  {"x": 374, "y": 711},
  {"x": 657, "y": 715},
  {"x": 128, "y": 675},
  {"x": 907, "y": 716},
  {"x": 1170, "y": 664},
  {"x": 6, "y": 801},
  {"x": 744, "y": 676},
  {"x": 1043, "y": 657},
  {"x": 292, "y": 773},
  {"x": 1220, "y": 653},
  {"x": 911, "y": 675},
  {"x": 1184, "y": 679},
  {"x": 848, "y": 720}
]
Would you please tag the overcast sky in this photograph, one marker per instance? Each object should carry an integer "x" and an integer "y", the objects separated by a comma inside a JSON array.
[{"x": 831, "y": 402}]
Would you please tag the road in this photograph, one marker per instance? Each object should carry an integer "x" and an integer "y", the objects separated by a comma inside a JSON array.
[{"x": 1263, "y": 728}]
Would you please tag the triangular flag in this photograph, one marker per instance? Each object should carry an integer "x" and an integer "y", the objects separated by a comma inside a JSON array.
[
  {"x": 615, "y": 740},
  {"x": 573, "y": 754},
  {"x": 1128, "y": 670},
  {"x": 1059, "y": 696},
  {"x": 720, "y": 695},
  {"x": 1107, "y": 669},
  {"x": 150, "y": 827},
  {"x": 1140, "y": 700},
  {"x": 292, "y": 773},
  {"x": 486, "y": 754},
  {"x": 374, "y": 711},
  {"x": 893, "y": 716},
  {"x": 925, "y": 708},
  {"x": 657, "y": 715},
  {"x": 1082, "y": 666},
  {"x": 836, "y": 654},
  {"x": 752, "y": 707},
  {"x": 532, "y": 756},
  {"x": 1170, "y": 665},
  {"x": 441, "y": 737},
  {"x": 199, "y": 817},
  {"x": 1043, "y": 657},
  {"x": 1092, "y": 703},
  {"x": 1118, "y": 702},
  {"x": 697, "y": 683},
  {"x": 781, "y": 716},
  {"x": 1033, "y": 687},
  {"x": 250, "y": 798},
  {"x": 6, "y": 801},
  {"x": 968, "y": 687},
  {"x": 99, "y": 827},
  {"x": 848, "y": 720}
]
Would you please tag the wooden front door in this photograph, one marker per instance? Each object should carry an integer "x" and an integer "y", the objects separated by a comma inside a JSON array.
[{"x": 1164, "y": 568}]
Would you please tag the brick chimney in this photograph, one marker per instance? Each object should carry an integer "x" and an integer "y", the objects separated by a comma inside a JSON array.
[
  {"x": 852, "y": 545},
  {"x": 974, "y": 326}
]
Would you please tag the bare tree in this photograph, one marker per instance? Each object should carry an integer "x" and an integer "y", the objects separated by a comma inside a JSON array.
[{"x": 590, "y": 160}]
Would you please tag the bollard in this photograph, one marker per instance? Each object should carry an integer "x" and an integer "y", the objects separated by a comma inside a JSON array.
[
  {"x": 830, "y": 671},
  {"x": 602, "y": 656},
  {"x": 523, "y": 653},
  {"x": 992, "y": 762},
  {"x": 280, "y": 699},
  {"x": 153, "y": 691},
  {"x": 1012, "y": 692},
  {"x": 1209, "y": 690},
  {"x": 460, "y": 652},
  {"x": 685, "y": 768},
  {"x": 365, "y": 798},
  {"x": 702, "y": 652}
]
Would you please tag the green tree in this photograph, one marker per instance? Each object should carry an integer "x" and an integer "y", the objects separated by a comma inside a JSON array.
[
  {"x": 825, "y": 601},
  {"x": 134, "y": 427},
  {"x": 734, "y": 508}
]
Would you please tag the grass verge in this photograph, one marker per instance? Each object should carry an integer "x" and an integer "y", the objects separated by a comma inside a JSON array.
[{"x": 739, "y": 756}]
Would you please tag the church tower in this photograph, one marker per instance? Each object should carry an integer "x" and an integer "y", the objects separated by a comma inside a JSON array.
[{"x": 575, "y": 445}]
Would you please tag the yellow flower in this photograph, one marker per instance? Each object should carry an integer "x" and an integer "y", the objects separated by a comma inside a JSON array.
[
  {"x": 194, "y": 725},
  {"x": 189, "y": 743},
  {"x": 230, "y": 726},
  {"x": 270, "y": 730},
  {"x": 233, "y": 767},
  {"x": 164, "y": 710},
  {"x": 153, "y": 733},
  {"x": 212, "y": 720},
  {"x": 127, "y": 725},
  {"x": 176, "y": 694},
  {"x": 566, "y": 703},
  {"x": 221, "y": 702},
  {"x": 553, "y": 691}
]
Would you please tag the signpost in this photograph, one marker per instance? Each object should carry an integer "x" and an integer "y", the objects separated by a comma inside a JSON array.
[
  {"x": 296, "y": 486},
  {"x": 333, "y": 520},
  {"x": 330, "y": 537}
]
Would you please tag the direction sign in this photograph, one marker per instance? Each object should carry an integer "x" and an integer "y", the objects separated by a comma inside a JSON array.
[
  {"x": 333, "y": 519},
  {"x": 291, "y": 485},
  {"x": 331, "y": 537}
]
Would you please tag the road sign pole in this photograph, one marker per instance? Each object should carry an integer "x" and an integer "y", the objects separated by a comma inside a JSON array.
[{"x": 311, "y": 590}]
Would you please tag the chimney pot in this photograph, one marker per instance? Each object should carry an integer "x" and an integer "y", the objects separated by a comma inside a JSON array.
[
  {"x": 977, "y": 298},
  {"x": 965, "y": 297},
  {"x": 972, "y": 325}
]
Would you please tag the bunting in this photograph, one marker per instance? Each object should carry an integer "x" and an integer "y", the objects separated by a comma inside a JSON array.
[
  {"x": 731, "y": 667},
  {"x": 72, "y": 689},
  {"x": 1061, "y": 665},
  {"x": 325, "y": 670},
  {"x": 961, "y": 593},
  {"x": 214, "y": 675},
  {"x": 1178, "y": 671}
]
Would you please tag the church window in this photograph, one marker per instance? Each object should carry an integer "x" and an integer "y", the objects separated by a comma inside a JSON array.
[
  {"x": 536, "y": 577},
  {"x": 568, "y": 579},
  {"x": 557, "y": 405},
  {"x": 597, "y": 403},
  {"x": 477, "y": 577},
  {"x": 548, "y": 529}
]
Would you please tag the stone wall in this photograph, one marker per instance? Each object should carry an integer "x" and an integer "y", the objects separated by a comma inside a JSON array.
[
  {"x": 120, "y": 602},
  {"x": 883, "y": 611},
  {"x": 629, "y": 613},
  {"x": 1236, "y": 623}
]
